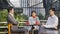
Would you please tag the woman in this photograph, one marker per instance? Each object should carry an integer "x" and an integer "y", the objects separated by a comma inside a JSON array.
[{"x": 33, "y": 20}]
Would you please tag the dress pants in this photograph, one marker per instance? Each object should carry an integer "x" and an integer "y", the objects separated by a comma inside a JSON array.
[{"x": 47, "y": 30}]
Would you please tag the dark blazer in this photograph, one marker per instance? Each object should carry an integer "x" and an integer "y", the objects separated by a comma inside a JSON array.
[{"x": 11, "y": 19}]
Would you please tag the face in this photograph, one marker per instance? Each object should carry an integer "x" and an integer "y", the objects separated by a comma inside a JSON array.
[
  {"x": 12, "y": 11},
  {"x": 51, "y": 12},
  {"x": 33, "y": 14}
]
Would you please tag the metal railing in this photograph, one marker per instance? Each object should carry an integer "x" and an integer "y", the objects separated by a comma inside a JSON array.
[{"x": 18, "y": 26}]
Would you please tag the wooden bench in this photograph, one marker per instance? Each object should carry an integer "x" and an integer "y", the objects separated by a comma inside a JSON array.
[{"x": 3, "y": 32}]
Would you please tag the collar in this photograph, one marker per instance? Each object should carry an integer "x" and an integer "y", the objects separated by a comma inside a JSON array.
[
  {"x": 53, "y": 16},
  {"x": 11, "y": 14},
  {"x": 34, "y": 16}
]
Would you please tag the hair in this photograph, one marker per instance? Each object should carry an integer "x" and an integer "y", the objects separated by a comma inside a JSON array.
[
  {"x": 10, "y": 8},
  {"x": 53, "y": 9},
  {"x": 33, "y": 12}
]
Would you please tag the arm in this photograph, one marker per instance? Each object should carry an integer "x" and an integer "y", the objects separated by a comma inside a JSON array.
[
  {"x": 48, "y": 21},
  {"x": 12, "y": 20},
  {"x": 55, "y": 23},
  {"x": 29, "y": 20},
  {"x": 38, "y": 21}
]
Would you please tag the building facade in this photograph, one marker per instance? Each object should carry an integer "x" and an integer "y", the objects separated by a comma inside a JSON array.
[
  {"x": 29, "y": 5},
  {"x": 51, "y": 4}
]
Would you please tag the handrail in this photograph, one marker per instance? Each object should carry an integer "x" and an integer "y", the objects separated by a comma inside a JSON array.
[
  {"x": 19, "y": 22},
  {"x": 23, "y": 22},
  {"x": 7, "y": 26}
]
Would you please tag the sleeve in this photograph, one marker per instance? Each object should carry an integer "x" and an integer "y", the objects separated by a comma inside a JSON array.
[
  {"x": 55, "y": 23},
  {"x": 29, "y": 20},
  {"x": 38, "y": 21},
  {"x": 48, "y": 21},
  {"x": 13, "y": 21}
]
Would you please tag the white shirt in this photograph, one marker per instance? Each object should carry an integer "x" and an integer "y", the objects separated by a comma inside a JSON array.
[
  {"x": 32, "y": 21},
  {"x": 52, "y": 22}
]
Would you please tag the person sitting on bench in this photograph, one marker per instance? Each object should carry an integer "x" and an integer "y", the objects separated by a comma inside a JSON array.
[
  {"x": 52, "y": 22},
  {"x": 33, "y": 20}
]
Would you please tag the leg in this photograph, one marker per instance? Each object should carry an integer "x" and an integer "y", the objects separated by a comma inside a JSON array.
[
  {"x": 52, "y": 31},
  {"x": 35, "y": 31},
  {"x": 41, "y": 29},
  {"x": 28, "y": 28}
]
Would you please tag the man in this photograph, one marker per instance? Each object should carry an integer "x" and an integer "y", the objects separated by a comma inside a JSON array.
[
  {"x": 10, "y": 17},
  {"x": 12, "y": 23},
  {"x": 52, "y": 22},
  {"x": 11, "y": 20}
]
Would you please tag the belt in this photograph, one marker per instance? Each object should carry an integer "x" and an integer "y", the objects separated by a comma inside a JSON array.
[{"x": 51, "y": 28}]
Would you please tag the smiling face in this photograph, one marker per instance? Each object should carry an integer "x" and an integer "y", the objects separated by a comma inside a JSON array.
[{"x": 33, "y": 14}]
